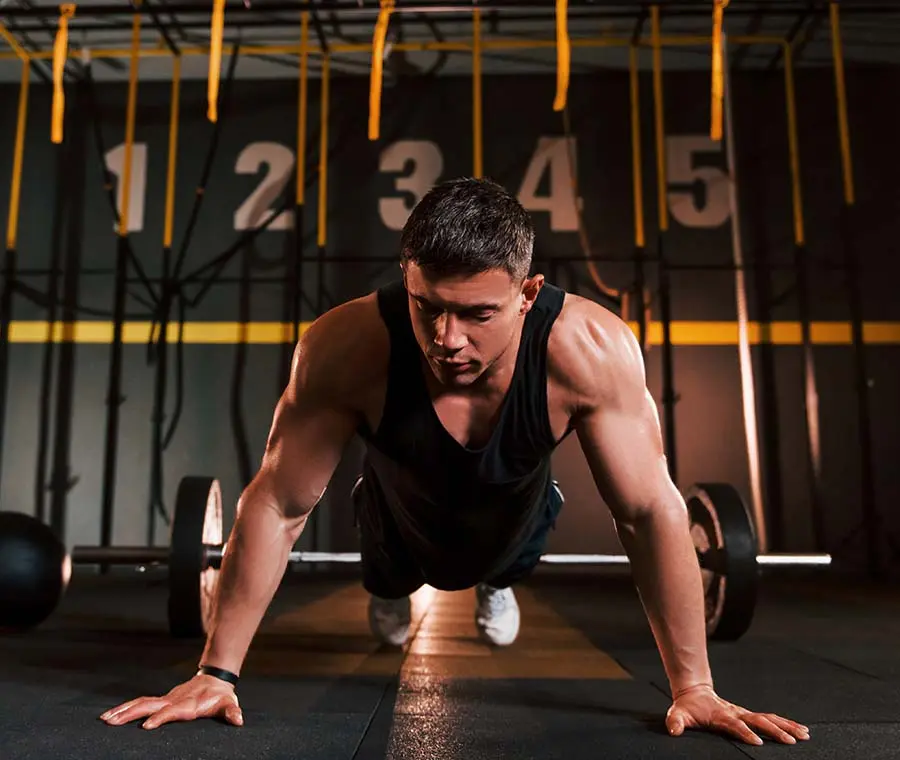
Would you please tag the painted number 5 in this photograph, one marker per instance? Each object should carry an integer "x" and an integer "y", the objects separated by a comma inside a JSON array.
[
  {"x": 704, "y": 200},
  {"x": 426, "y": 162}
]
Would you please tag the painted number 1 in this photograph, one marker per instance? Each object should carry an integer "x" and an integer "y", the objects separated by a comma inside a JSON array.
[{"x": 115, "y": 164}]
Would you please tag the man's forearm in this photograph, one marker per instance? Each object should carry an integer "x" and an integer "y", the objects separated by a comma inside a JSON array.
[
  {"x": 667, "y": 577},
  {"x": 255, "y": 559}
]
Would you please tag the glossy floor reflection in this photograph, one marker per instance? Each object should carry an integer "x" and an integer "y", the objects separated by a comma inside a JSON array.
[{"x": 583, "y": 680}]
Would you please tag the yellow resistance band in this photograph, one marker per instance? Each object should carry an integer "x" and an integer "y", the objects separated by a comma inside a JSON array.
[
  {"x": 130, "y": 117},
  {"x": 563, "y": 54},
  {"x": 378, "y": 41},
  {"x": 793, "y": 143},
  {"x": 172, "y": 167},
  {"x": 12, "y": 229},
  {"x": 216, "y": 33},
  {"x": 477, "y": 122},
  {"x": 637, "y": 173},
  {"x": 302, "y": 107},
  {"x": 718, "y": 64},
  {"x": 60, "y": 55},
  {"x": 841, "y": 94},
  {"x": 21, "y": 52},
  {"x": 659, "y": 122},
  {"x": 323, "y": 151}
]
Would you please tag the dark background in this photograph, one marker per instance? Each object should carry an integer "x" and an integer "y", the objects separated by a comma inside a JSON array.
[{"x": 229, "y": 388}]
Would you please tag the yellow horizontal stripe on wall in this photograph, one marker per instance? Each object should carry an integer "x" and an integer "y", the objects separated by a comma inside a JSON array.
[
  {"x": 140, "y": 332},
  {"x": 777, "y": 333},
  {"x": 684, "y": 333}
]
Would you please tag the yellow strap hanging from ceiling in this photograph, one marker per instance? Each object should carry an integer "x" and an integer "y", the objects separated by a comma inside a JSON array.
[
  {"x": 378, "y": 42},
  {"x": 563, "y": 54},
  {"x": 60, "y": 55},
  {"x": 718, "y": 69},
  {"x": 841, "y": 94},
  {"x": 216, "y": 34},
  {"x": 14, "y": 44}
]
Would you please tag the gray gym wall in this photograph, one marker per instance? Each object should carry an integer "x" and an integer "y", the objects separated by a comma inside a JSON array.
[{"x": 223, "y": 435}]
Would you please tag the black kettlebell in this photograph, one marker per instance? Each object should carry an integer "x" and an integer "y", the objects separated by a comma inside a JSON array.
[{"x": 34, "y": 571}]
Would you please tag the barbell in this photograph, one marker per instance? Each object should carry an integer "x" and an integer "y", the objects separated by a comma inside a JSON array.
[{"x": 720, "y": 526}]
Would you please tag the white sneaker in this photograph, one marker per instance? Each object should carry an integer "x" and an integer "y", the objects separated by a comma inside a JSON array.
[
  {"x": 389, "y": 619},
  {"x": 497, "y": 614}
]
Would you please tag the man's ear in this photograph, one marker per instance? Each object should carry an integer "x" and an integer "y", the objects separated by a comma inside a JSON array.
[{"x": 530, "y": 289}]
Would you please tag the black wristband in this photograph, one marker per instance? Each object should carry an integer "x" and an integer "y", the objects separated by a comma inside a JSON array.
[{"x": 222, "y": 675}]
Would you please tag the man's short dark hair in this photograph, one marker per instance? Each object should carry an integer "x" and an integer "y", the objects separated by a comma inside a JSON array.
[{"x": 468, "y": 226}]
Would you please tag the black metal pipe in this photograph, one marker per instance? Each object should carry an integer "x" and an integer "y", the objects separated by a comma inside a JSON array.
[
  {"x": 6, "y": 300},
  {"x": 162, "y": 28},
  {"x": 114, "y": 397},
  {"x": 767, "y": 398},
  {"x": 871, "y": 517},
  {"x": 73, "y": 177},
  {"x": 320, "y": 30},
  {"x": 320, "y": 281},
  {"x": 357, "y": 25},
  {"x": 344, "y": 259},
  {"x": 53, "y": 274},
  {"x": 690, "y": 8},
  {"x": 161, "y": 355},
  {"x": 296, "y": 272},
  {"x": 789, "y": 38},
  {"x": 640, "y": 281},
  {"x": 241, "y": 355},
  {"x": 669, "y": 396}
]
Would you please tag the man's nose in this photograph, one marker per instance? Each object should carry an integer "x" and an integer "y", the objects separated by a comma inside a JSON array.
[{"x": 449, "y": 334}]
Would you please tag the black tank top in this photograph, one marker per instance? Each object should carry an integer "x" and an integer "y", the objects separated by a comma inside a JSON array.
[{"x": 462, "y": 512}]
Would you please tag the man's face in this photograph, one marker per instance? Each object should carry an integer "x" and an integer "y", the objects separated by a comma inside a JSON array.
[{"x": 465, "y": 323}]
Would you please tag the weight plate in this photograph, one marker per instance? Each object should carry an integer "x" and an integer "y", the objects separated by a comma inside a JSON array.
[
  {"x": 192, "y": 581},
  {"x": 726, "y": 546}
]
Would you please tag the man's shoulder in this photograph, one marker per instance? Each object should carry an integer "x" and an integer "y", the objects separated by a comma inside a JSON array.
[
  {"x": 346, "y": 350},
  {"x": 588, "y": 345}
]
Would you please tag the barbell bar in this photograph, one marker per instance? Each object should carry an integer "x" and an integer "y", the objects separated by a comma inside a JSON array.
[
  {"x": 159, "y": 555},
  {"x": 720, "y": 525}
]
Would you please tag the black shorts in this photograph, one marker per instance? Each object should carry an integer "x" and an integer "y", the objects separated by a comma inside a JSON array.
[{"x": 389, "y": 570}]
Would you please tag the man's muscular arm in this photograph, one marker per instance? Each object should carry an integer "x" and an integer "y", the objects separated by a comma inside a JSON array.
[
  {"x": 312, "y": 424},
  {"x": 334, "y": 364},
  {"x": 618, "y": 428}
]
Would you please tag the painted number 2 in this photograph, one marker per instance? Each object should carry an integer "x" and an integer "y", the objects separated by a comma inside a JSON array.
[{"x": 279, "y": 161}]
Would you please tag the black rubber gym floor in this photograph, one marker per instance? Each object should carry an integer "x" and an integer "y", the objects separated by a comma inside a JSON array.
[{"x": 583, "y": 681}]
